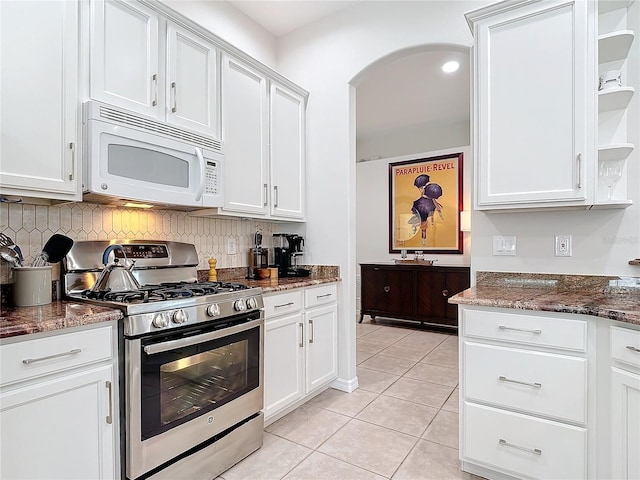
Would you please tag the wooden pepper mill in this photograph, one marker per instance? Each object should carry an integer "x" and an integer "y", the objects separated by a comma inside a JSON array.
[{"x": 213, "y": 275}]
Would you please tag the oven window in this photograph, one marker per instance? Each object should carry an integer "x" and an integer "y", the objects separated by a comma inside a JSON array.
[{"x": 181, "y": 384}]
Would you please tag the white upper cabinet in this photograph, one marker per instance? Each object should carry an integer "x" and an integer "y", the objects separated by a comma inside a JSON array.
[
  {"x": 534, "y": 104},
  {"x": 125, "y": 56},
  {"x": 191, "y": 72},
  {"x": 287, "y": 152},
  {"x": 245, "y": 137},
  {"x": 144, "y": 63},
  {"x": 263, "y": 130},
  {"x": 39, "y": 99}
]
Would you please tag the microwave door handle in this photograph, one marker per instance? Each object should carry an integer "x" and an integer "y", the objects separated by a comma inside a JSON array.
[{"x": 203, "y": 173}]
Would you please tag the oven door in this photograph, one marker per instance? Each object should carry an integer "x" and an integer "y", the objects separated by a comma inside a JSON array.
[{"x": 185, "y": 387}]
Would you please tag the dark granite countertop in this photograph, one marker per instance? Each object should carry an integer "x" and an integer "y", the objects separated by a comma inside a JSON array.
[
  {"x": 58, "y": 315},
  {"x": 16, "y": 321},
  {"x": 607, "y": 297}
]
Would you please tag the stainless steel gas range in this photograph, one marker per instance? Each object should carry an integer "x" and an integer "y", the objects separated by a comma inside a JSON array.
[{"x": 192, "y": 359}]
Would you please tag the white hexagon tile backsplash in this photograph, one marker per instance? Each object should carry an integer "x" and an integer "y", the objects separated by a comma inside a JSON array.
[{"x": 30, "y": 226}]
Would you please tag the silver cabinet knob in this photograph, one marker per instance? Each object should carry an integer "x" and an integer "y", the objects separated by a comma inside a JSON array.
[
  {"x": 445, "y": 293},
  {"x": 387, "y": 289}
]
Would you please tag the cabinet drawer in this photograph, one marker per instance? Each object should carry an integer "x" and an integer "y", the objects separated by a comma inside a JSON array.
[
  {"x": 526, "y": 329},
  {"x": 534, "y": 382},
  {"x": 523, "y": 446},
  {"x": 282, "y": 303},
  {"x": 34, "y": 358},
  {"x": 320, "y": 295},
  {"x": 625, "y": 345}
]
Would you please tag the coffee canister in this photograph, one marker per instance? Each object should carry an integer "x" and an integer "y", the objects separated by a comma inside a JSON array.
[{"x": 31, "y": 286}]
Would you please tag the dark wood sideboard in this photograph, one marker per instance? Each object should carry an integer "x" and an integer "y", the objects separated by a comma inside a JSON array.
[{"x": 412, "y": 292}]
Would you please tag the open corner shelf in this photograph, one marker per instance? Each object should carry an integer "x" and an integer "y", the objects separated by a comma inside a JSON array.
[
  {"x": 614, "y": 152},
  {"x": 614, "y": 46},
  {"x": 608, "y": 204},
  {"x": 614, "y": 98}
]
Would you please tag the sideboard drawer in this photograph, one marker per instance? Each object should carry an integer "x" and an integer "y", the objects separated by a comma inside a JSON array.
[
  {"x": 523, "y": 446},
  {"x": 625, "y": 345},
  {"x": 533, "y": 382},
  {"x": 526, "y": 329}
]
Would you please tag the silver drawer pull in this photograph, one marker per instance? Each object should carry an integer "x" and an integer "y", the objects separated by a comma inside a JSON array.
[
  {"x": 322, "y": 296},
  {"x": 301, "y": 344},
  {"x": 75, "y": 351},
  {"x": 504, "y": 327},
  {"x": 535, "y": 451},
  {"x": 534, "y": 385},
  {"x": 283, "y": 305},
  {"x": 633, "y": 349}
]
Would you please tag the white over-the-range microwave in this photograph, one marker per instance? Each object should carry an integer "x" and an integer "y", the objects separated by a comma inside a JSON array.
[{"x": 134, "y": 158}]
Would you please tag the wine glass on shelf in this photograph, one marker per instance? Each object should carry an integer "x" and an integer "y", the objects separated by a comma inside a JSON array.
[{"x": 610, "y": 172}]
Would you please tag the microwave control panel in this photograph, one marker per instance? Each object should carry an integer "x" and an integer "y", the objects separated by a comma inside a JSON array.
[{"x": 213, "y": 178}]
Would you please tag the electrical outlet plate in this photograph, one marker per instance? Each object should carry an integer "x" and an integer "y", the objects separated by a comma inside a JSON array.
[
  {"x": 563, "y": 245},
  {"x": 231, "y": 246},
  {"x": 504, "y": 245}
]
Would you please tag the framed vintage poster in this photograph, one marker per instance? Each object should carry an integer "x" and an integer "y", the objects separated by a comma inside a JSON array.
[{"x": 425, "y": 200}]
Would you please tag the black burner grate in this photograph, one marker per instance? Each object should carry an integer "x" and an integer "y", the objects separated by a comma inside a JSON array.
[{"x": 165, "y": 291}]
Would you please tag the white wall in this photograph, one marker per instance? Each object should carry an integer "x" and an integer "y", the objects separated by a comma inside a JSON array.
[
  {"x": 372, "y": 208},
  {"x": 411, "y": 139},
  {"x": 324, "y": 58}
]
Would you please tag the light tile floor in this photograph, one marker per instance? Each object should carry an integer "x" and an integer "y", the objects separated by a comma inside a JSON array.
[{"x": 401, "y": 423}]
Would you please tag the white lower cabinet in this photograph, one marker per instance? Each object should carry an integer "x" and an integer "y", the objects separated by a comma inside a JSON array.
[
  {"x": 523, "y": 386},
  {"x": 625, "y": 404},
  {"x": 58, "y": 419},
  {"x": 300, "y": 347}
]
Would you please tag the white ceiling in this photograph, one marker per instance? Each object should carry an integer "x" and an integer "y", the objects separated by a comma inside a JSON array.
[
  {"x": 283, "y": 16},
  {"x": 411, "y": 90}
]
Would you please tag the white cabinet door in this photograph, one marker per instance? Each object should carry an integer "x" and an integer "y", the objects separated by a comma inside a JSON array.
[
  {"x": 283, "y": 363},
  {"x": 245, "y": 136},
  {"x": 58, "y": 428},
  {"x": 287, "y": 116},
  {"x": 321, "y": 346},
  {"x": 125, "y": 56},
  {"x": 39, "y": 99},
  {"x": 191, "y": 97},
  {"x": 625, "y": 424},
  {"x": 534, "y": 115}
]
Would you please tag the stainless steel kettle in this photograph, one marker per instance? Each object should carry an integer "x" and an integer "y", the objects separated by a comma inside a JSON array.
[{"x": 115, "y": 277}]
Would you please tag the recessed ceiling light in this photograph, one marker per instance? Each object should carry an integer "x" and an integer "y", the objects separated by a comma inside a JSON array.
[{"x": 450, "y": 67}]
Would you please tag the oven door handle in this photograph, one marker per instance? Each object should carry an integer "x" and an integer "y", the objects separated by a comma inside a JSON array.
[{"x": 205, "y": 337}]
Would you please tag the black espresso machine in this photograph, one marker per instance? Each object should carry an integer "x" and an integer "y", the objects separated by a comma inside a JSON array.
[{"x": 287, "y": 250}]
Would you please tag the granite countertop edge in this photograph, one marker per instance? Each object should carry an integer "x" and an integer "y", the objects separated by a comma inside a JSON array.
[
  {"x": 55, "y": 316},
  {"x": 622, "y": 306},
  {"x": 62, "y": 314}
]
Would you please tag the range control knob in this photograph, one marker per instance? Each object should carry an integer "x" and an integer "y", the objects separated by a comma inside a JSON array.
[
  {"x": 252, "y": 303},
  {"x": 180, "y": 316},
  {"x": 160, "y": 320},
  {"x": 213, "y": 310},
  {"x": 240, "y": 305}
]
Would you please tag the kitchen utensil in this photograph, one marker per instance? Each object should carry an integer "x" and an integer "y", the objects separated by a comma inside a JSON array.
[
  {"x": 115, "y": 277},
  {"x": 16, "y": 248},
  {"x": 5, "y": 240},
  {"x": 10, "y": 256},
  {"x": 54, "y": 250},
  {"x": 32, "y": 286}
]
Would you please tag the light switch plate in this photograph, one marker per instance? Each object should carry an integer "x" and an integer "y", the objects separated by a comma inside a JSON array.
[{"x": 504, "y": 245}]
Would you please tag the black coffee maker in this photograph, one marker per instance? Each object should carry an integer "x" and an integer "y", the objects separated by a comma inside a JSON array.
[{"x": 287, "y": 250}]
